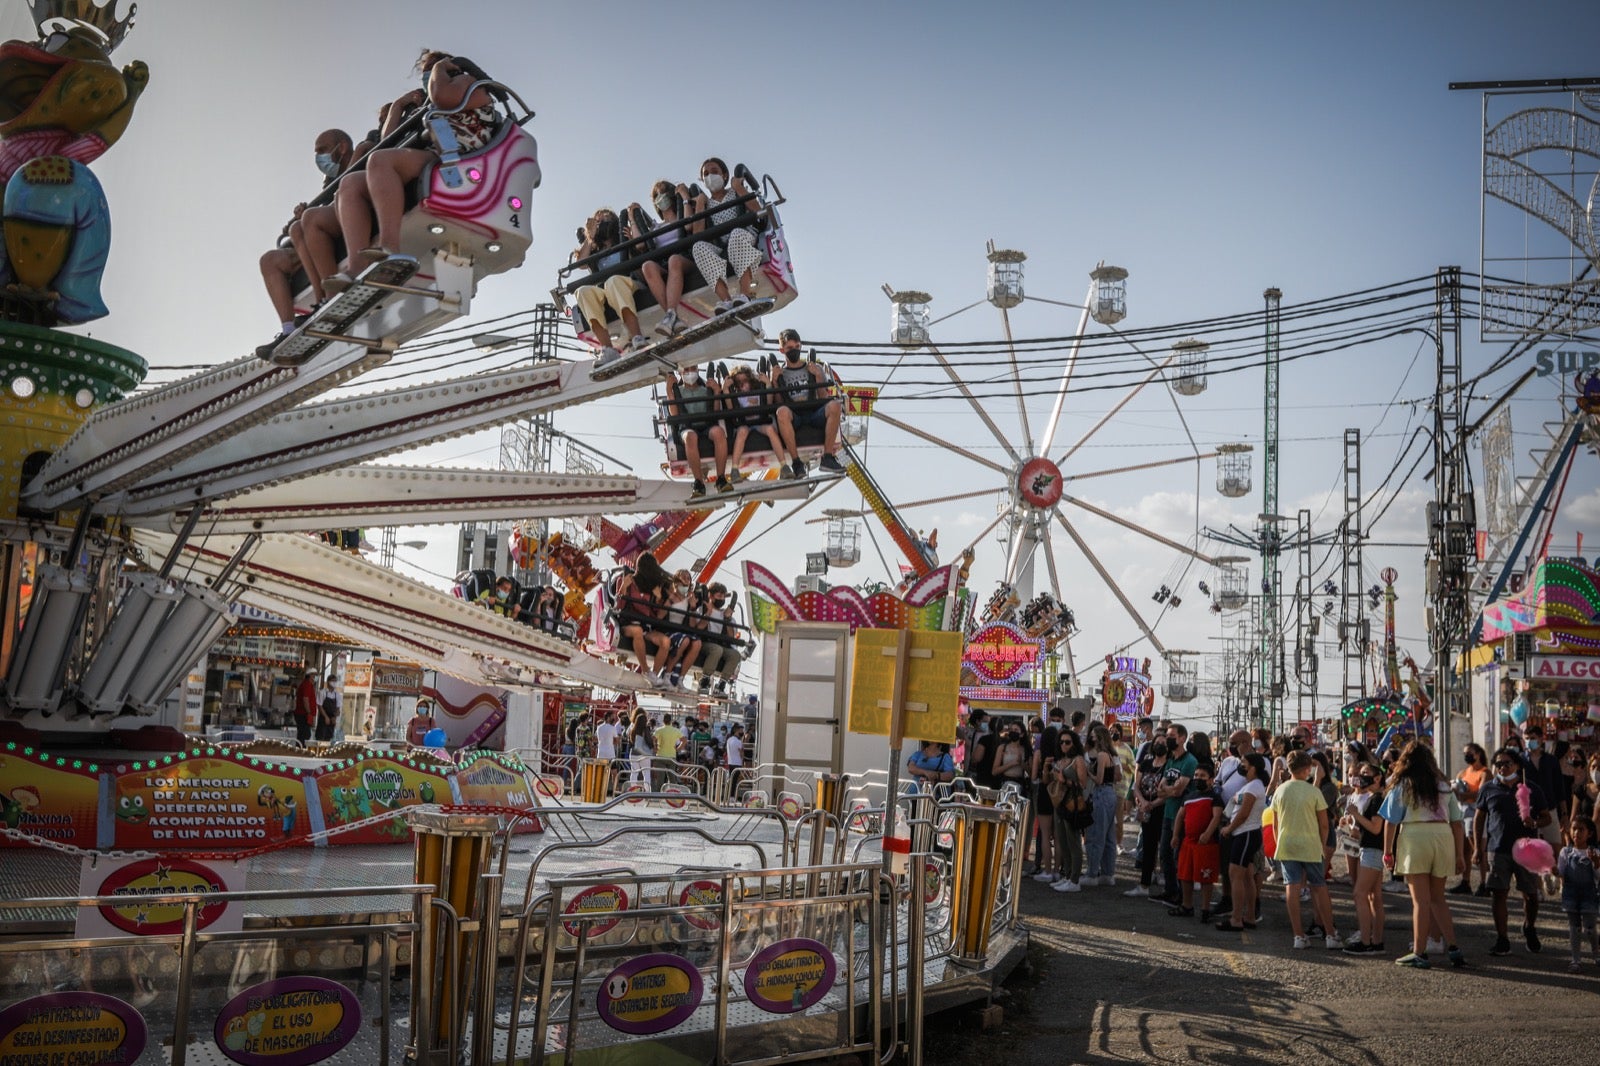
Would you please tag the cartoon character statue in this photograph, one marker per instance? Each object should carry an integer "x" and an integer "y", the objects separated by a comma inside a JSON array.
[
  {"x": 290, "y": 810},
  {"x": 66, "y": 105}
]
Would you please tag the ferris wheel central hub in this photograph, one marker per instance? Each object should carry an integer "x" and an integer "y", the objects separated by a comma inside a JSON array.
[{"x": 1039, "y": 483}]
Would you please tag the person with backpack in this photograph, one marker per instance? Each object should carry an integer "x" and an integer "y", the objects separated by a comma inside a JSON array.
[
  {"x": 1070, "y": 793},
  {"x": 1148, "y": 808}
]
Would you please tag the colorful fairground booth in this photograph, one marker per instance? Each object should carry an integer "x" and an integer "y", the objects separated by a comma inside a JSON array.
[{"x": 1538, "y": 656}]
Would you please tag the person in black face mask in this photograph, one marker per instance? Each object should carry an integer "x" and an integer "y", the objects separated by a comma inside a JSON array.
[
  {"x": 718, "y": 661},
  {"x": 808, "y": 400}
]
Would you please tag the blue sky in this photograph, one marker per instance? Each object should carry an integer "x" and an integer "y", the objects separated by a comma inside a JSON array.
[{"x": 1212, "y": 150}]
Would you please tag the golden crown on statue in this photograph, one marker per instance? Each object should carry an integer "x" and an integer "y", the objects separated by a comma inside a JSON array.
[{"x": 98, "y": 17}]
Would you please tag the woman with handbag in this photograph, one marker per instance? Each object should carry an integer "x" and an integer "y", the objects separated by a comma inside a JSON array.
[
  {"x": 1044, "y": 806},
  {"x": 1070, "y": 785},
  {"x": 1147, "y": 808}
]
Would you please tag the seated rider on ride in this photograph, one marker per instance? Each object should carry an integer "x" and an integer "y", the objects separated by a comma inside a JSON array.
[
  {"x": 334, "y": 154},
  {"x": 689, "y": 394},
  {"x": 801, "y": 385},
  {"x": 745, "y": 390},
  {"x": 666, "y": 285},
  {"x": 474, "y": 122},
  {"x": 640, "y": 594},
  {"x": 733, "y": 253},
  {"x": 498, "y": 599},
  {"x": 601, "y": 232}
]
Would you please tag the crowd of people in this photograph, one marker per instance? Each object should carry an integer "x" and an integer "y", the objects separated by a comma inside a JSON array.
[
  {"x": 358, "y": 222},
  {"x": 1210, "y": 831},
  {"x": 647, "y": 749}
]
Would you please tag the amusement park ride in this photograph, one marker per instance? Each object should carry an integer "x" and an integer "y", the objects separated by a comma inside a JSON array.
[{"x": 143, "y": 518}]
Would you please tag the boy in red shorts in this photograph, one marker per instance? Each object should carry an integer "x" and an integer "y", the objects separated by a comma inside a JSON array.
[{"x": 1194, "y": 837}]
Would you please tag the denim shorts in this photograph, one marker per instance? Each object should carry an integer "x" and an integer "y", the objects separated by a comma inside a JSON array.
[
  {"x": 1294, "y": 872},
  {"x": 1371, "y": 858}
]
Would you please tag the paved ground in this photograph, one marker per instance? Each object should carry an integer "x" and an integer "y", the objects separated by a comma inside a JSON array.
[{"x": 1116, "y": 980}]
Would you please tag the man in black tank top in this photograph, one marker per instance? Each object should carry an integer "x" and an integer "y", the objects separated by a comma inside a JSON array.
[{"x": 807, "y": 396}]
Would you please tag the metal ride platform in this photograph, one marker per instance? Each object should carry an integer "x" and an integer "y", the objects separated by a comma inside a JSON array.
[{"x": 662, "y": 924}]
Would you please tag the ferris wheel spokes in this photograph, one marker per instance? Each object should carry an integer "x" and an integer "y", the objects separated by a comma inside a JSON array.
[
  {"x": 1071, "y": 365},
  {"x": 1109, "y": 415},
  {"x": 961, "y": 385},
  {"x": 1016, "y": 380},
  {"x": 1136, "y": 528},
  {"x": 940, "y": 441},
  {"x": 1116, "y": 590},
  {"x": 1143, "y": 466}
]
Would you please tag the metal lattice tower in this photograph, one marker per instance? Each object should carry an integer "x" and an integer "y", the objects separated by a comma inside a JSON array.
[
  {"x": 1352, "y": 600},
  {"x": 1308, "y": 625},
  {"x": 1452, "y": 520},
  {"x": 1270, "y": 632},
  {"x": 1499, "y": 474}
]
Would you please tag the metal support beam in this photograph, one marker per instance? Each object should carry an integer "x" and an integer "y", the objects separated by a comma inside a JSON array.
[{"x": 1352, "y": 600}]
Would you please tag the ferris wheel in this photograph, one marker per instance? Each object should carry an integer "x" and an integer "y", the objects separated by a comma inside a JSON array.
[{"x": 1038, "y": 471}]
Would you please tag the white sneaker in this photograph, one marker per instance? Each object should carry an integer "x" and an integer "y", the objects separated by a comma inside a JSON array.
[
  {"x": 607, "y": 356},
  {"x": 1435, "y": 947},
  {"x": 1136, "y": 892},
  {"x": 1045, "y": 876},
  {"x": 1064, "y": 885},
  {"x": 1395, "y": 886},
  {"x": 1305, "y": 895},
  {"x": 1353, "y": 938},
  {"x": 1301, "y": 943},
  {"x": 1333, "y": 943},
  {"x": 1108, "y": 882}
]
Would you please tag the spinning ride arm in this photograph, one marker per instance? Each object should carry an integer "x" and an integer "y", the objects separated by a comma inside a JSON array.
[
  {"x": 885, "y": 511},
  {"x": 719, "y": 554}
]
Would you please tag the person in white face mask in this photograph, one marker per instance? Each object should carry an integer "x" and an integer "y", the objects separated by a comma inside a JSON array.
[
  {"x": 688, "y": 394},
  {"x": 734, "y": 252}
]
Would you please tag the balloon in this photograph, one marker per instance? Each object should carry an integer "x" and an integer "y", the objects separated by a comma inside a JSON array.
[
  {"x": 1519, "y": 711},
  {"x": 434, "y": 738}
]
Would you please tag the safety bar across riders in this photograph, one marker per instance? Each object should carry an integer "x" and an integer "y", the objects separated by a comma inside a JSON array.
[{"x": 638, "y": 243}]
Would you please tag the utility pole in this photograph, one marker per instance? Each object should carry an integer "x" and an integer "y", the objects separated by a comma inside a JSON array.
[
  {"x": 1307, "y": 625},
  {"x": 1270, "y": 625},
  {"x": 1452, "y": 522}
]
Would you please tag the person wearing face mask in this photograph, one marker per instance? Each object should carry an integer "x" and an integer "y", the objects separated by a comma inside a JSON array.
[
  {"x": 733, "y": 253},
  {"x": 806, "y": 396},
  {"x": 666, "y": 284},
  {"x": 333, "y": 154},
  {"x": 720, "y": 661},
  {"x": 602, "y": 242},
  {"x": 1498, "y": 827},
  {"x": 688, "y": 394},
  {"x": 1467, "y": 785},
  {"x": 750, "y": 411},
  {"x": 1543, "y": 767}
]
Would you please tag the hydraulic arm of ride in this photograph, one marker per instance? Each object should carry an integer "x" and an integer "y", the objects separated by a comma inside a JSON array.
[{"x": 885, "y": 511}]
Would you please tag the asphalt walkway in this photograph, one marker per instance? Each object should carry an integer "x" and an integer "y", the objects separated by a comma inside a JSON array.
[{"x": 1115, "y": 980}]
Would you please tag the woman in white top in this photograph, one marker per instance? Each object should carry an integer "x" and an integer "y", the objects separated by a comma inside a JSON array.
[
  {"x": 1242, "y": 830},
  {"x": 644, "y": 749},
  {"x": 735, "y": 252}
]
